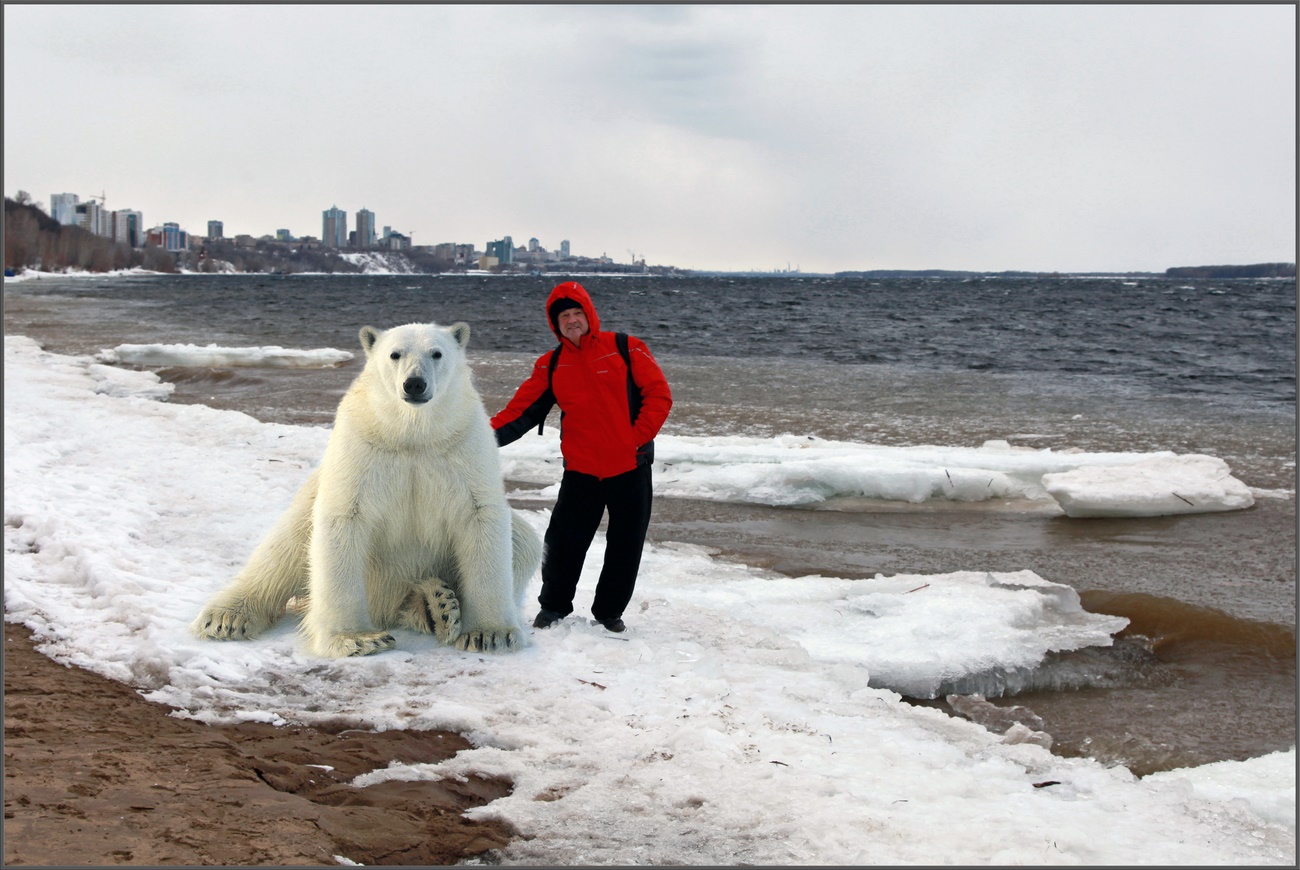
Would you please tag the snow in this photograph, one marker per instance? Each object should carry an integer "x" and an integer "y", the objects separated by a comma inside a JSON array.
[
  {"x": 37, "y": 274},
  {"x": 744, "y": 717},
  {"x": 379, "y": 262}
]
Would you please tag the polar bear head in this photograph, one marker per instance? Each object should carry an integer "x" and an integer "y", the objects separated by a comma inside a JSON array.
[{"x": 415, "y": 362}]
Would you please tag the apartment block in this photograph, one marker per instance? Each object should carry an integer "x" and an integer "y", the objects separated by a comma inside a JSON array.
[
  {"x": 92, "y": 218},
  {"x": 63, "y": 208},
  {"x": 173, "y": 237},
  {"x": 365, "y": 229},
  {"x": 128, "y": 228},
  {"x": 334, "y": 232},
  {"x": 503, "y": 250}
]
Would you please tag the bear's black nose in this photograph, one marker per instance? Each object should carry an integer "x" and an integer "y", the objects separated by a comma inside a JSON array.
[{"x": 414, "y": 386}]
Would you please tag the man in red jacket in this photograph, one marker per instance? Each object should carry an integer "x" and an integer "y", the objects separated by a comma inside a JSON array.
[{"x": 610, "y": 412}]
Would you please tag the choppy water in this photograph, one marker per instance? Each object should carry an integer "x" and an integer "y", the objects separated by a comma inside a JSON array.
[
  {"x": 1225, "y": 339},
  {"x": 1093, "y": 364}
]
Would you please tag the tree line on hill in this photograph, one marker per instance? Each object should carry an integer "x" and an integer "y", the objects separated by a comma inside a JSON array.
[
  {"x": 34, "y": 240},
  {"x": 1258, "y": 270}
]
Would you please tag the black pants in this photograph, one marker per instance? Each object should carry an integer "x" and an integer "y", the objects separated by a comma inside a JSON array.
[{"x": 582, "y": 502}]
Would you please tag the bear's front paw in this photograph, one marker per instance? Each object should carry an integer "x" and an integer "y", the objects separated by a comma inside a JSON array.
[
  {"x": 490, "y": 640},
  {"x": 361, "y": 644},
  {"x": 228, "y": 623}
]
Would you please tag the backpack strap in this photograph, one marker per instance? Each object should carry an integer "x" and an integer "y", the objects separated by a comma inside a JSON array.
[
  {"x": 633, "y": 391},
  {"x": 550, "y": 379},
  {"x": 645, "y": 454}
]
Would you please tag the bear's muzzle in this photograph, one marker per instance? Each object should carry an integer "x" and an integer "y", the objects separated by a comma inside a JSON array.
[{"x": 416, "y": 390}]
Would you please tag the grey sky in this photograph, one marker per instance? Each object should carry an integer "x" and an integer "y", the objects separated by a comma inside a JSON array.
[{"x": 1058, "y": 137}]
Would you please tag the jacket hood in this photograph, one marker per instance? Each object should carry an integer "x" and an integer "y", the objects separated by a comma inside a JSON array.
[{"x": 575, "y": 291}]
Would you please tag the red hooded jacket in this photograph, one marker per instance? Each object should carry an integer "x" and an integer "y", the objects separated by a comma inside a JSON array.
[{"x": 589, "y": 383}]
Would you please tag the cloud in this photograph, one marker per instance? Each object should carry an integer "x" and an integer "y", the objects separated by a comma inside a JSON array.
[{"x": 836, "y": 137}]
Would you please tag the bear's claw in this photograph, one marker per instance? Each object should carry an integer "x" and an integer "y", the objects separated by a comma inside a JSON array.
[
  {"x": 444, "y": 614},
  {"x": 227, "y": 623},
  {"x": 489, "y": 640},
  {"x": 433, "y": 609},
  {"x": 364, "y": 644}
]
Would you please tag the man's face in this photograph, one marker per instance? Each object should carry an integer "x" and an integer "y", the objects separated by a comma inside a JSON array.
[{"x": 573, "y": 324}]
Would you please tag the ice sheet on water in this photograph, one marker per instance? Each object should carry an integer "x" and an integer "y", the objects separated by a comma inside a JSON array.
[
  {"x": 1153, "y": 487},
  {"x": 927, "y": 635},
  {"x": 216, "y": 356},
  {"x": 798, "y": 470}
]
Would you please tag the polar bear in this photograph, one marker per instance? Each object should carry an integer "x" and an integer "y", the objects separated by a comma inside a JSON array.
[{"x": 404, "y": 524}]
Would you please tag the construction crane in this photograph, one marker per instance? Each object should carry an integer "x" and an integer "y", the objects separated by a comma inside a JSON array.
[{"x": 102, "y": 197}]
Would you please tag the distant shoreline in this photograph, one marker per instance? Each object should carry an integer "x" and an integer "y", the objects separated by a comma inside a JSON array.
[{"x": 1262, "y": 271}]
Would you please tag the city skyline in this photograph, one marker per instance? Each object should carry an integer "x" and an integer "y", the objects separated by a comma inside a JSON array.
[
  {"x": 69, "y": 209},
  {"x": 1070, "y": 138}
]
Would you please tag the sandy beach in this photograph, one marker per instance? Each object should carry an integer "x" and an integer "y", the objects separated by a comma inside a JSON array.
[{"x": 83, "y": 785}]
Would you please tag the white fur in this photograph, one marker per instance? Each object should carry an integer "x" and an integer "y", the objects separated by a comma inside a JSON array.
[{"x": 405, "y": 523}]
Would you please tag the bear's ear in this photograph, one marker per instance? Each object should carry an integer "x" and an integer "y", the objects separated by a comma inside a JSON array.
[
  {"x": 369, "y": 335},
  {"x": 460, "y": 331}
]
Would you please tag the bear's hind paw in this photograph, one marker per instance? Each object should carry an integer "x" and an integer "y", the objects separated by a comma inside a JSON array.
[
  {"x": 434, "y": 610},
  {"x": 443, "y": 609},
  {"x": 490, "y": 640}
]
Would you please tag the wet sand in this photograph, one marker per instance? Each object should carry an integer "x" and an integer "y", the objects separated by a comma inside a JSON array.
[{"x": 96, "y": 775}]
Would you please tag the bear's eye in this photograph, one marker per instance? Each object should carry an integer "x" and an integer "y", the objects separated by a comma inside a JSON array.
[
  {"x": 437, "y": 354},
  {"x": 394, "y": 355}
]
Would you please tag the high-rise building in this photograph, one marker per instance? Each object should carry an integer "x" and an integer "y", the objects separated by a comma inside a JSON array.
[
  {"x": 128, "y": 228},
  {"x": 92, "y": 218},
  {"x": 396, "y": 241},
  {"x": 564, "y": 249},
  {"x": 365, "y": 228},
  {"x": 173, "y": 237},
  {"x": 216, "y": 230},
  {"x": 63, "y": 208},
  {"x": 533, "y": 245},
  {"x": 334, "y": 233},
  {"x": 503, "y": 250},
  {"x": 284, "y": 236}
]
